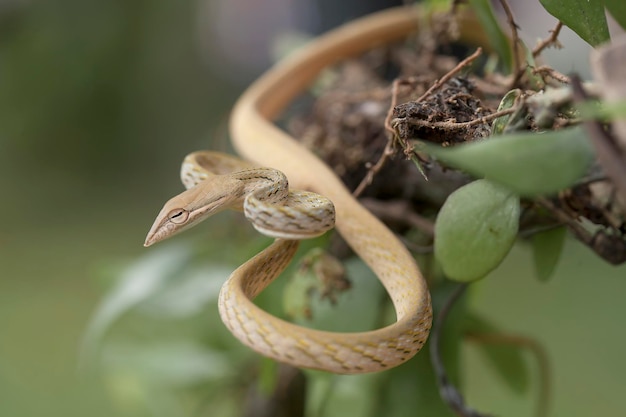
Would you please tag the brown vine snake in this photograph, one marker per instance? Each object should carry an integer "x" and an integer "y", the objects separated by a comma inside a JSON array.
[{"x": 258, "y": 140}]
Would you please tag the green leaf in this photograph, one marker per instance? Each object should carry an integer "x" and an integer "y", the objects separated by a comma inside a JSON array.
[
  {"x": 585, "y": 17},
  {"x": 475, "y": 230},
  {"x": 547, "y": 247},
  {"x": 499, "y": 41},
  {"x": 617, "y": 8},
  {"x": 528, "y": 163},
  {"x": 499, "y": 124},
  {"x": 508, "y": 361}
]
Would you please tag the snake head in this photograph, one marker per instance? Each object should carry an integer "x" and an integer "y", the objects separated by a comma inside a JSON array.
[{"x": 191, "y": 207}]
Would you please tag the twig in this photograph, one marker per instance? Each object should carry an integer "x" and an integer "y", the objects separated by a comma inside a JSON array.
[
  {"x": 551, "y": 72},
  {"x": 608, "y": 246},
  {"x": 579, "y": 231},
  {"x": 449, "y": 125},
  {"x": 388, "y": 151},
  {"x": 399, "y": 211},
  {"x": 389, "y": 148},
  {"x": 415, "y": 248},
  {"x": 448, "y": 392},
  {"x": 519, "y": 71},
  {"x": 440, "y": 82},
  {"x": 550, "y": 40},
  {"x": 394, "y": 102},
  {"x": 607, "y": 151},
  {"x": 374, "y": 169}
]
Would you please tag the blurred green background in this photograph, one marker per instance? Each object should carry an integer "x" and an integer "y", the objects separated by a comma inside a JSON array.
[{"x": 99, "y": 103}]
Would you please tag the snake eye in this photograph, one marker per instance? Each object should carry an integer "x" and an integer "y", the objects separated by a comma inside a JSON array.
[{"x": 178, "y": 216}]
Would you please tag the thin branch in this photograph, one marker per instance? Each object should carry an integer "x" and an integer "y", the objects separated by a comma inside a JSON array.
[
  {"x": 374, "y": 169},
  {"x": 389, "y": 148},
  {"x": 609, "y": 154},
  {"x": 545, "y": 70},
  {"x": 440, "y": 82},
  {"x": 449, "y": 393},
  {"x": 579, "y": 231},
  {"x": 449, "y": 125},
  {"x": 549, "y": 41},
  {"x": 519, "y": 71},
  {"x": 401, "y": 212},
  {"x": 608, "y": 246},
  {"x": 415, "y": 248},
  {"x": 394, "y": 102}
]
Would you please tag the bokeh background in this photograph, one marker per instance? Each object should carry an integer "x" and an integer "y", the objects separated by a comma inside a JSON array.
[{"x": 99, "y": 103}]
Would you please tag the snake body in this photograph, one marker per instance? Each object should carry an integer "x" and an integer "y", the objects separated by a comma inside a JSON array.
[{"x": 217, "y": 181}]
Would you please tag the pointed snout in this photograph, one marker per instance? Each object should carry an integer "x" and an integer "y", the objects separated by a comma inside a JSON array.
[{"x": 156, "y": 232}]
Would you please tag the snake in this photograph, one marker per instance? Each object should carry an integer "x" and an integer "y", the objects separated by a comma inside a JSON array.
[{"x": 271, "y": 200}]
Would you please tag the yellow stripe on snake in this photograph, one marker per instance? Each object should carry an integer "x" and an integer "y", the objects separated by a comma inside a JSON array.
[{"x": 216, "y": 181}]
